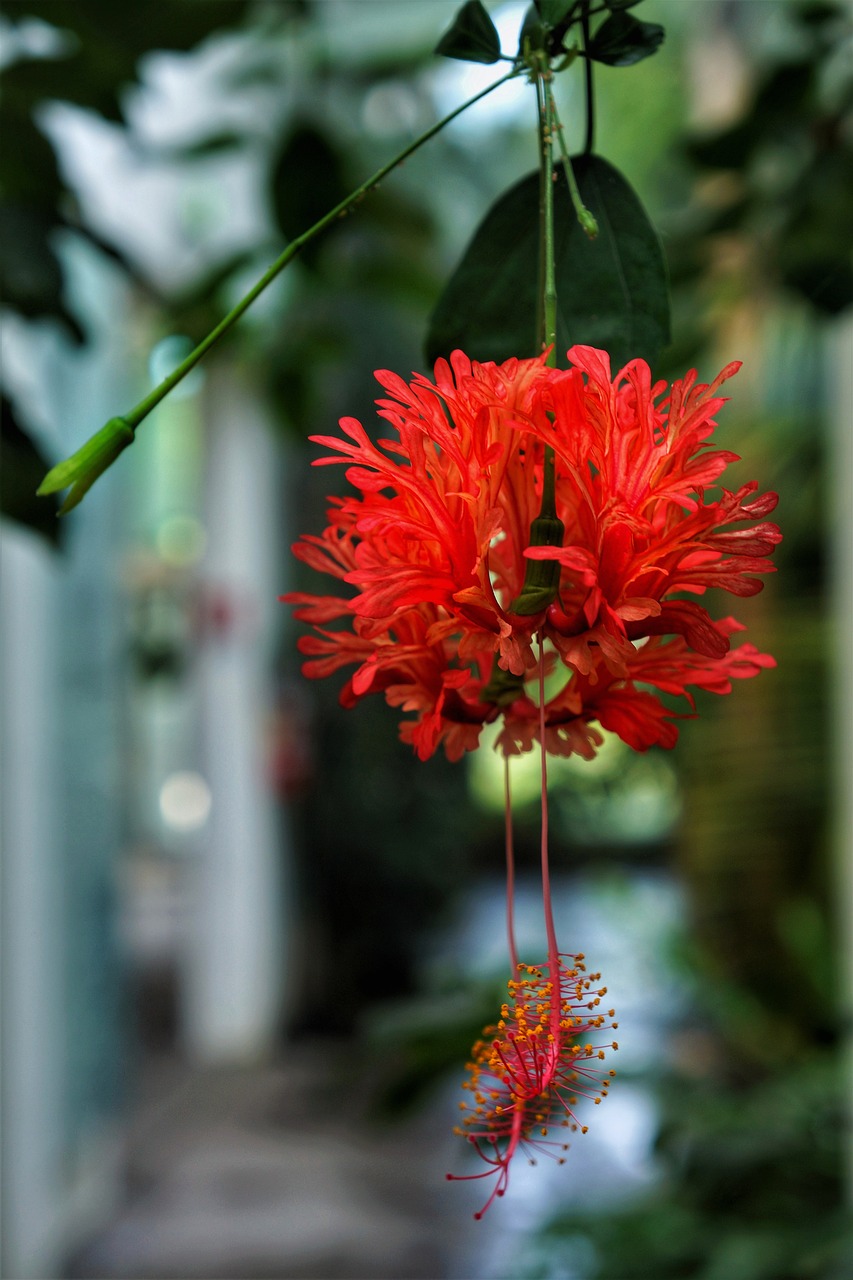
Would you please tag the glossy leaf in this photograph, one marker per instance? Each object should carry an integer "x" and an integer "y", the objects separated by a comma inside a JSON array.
[
  {"x": 622, "y": 40},
  {"x": 611, "y": 292},
  {"x": 472, "y": 37}
]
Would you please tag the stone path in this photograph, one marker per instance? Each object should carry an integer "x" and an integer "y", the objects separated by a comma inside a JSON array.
[{"x": 270, "y": 1173}]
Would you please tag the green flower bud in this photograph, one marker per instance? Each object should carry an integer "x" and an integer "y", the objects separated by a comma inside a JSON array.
[{"x": 82, "y": 469}]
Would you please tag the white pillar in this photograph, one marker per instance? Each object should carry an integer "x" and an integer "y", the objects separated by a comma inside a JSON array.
[
  {"x": 234, "y": 971},
  {"x": 32, "y": 1026}
]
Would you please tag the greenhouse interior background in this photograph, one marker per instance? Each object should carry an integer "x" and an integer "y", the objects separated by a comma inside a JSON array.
[{"x": 248, "y": 938}]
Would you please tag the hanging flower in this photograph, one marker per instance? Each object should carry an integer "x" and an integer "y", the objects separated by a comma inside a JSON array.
[
  {"x": 528, "y": 1071},
  {"x": 436, "y": 545},
  {"x": 514, "y": 503}
]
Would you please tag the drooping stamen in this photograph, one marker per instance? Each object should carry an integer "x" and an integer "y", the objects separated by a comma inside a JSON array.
[
  {"x": 523, "y": 1082},
  {"x": 550, "y": 931},
  {"x": 529, "y": 1070},
  {"x": 510, "y": 871}
]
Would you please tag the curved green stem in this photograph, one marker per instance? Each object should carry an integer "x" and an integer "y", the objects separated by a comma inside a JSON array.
[
  {"x": 295, "y": 247},
  {"x": 542, "y": 577},
  {"x": 549, "y": 290},
  {"x": 99, "y": 452},
  {"x": 510, "y": 872},
  {"x": 550, "y": 930},
  {"x": 589, "y": 141},
  {"x": 584, "y": 217}
]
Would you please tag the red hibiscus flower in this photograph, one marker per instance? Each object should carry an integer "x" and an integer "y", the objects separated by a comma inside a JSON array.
[{"x": 436, "y": 543}]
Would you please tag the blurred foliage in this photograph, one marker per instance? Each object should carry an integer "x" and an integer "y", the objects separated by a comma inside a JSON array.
[
  {"x": 96, "y": 53},
  {"x": 750, "y": 1187},
  {"x": 753, "y": 852},
  {"x": 771, "y": 209},
  {"x": 93, "y": 56},
  {"x": 383, "y": 853}
]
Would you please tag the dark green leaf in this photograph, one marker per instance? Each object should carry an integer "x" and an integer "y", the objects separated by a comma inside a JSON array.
[
  {"x": 622, "y": 40},
  {"x": 615, "y": 5},
  {"x": 472, "y": 36},
  {"x": 24, "y": 465},
  {"x": 532, "y": 33},
  {"x": 553, "y": 11},
  {"x": 611, "y": 292}
]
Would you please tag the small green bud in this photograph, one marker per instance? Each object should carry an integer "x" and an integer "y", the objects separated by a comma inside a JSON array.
[
  {"x": 588, "y": 222},
  {"x": 84, "y": 467}
]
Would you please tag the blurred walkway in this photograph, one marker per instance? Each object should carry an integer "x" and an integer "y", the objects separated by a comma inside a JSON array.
[{"x": 268, "y": 1173}]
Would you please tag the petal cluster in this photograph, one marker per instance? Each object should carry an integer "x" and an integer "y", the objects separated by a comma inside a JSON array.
[{"x": 431, "y": 547}]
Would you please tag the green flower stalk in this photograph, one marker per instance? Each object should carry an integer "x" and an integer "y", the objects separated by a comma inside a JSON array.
[{"x": 85, "y": 466}]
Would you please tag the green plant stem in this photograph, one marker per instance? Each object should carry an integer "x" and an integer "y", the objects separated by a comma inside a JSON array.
[
  {"x": 542, "y": 577},
  {"x": 549, "y": 290},
  {"x": 589, "y": 140},
  {"x": 141, "y": 410},
  {"x": 585, "y": 218},
  {"x": 543, "y": 196}
]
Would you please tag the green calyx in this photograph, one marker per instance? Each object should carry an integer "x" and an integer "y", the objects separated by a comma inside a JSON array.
[
  {"x": 503, "y": 687},
  {"x": 541, "y": 577}
]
